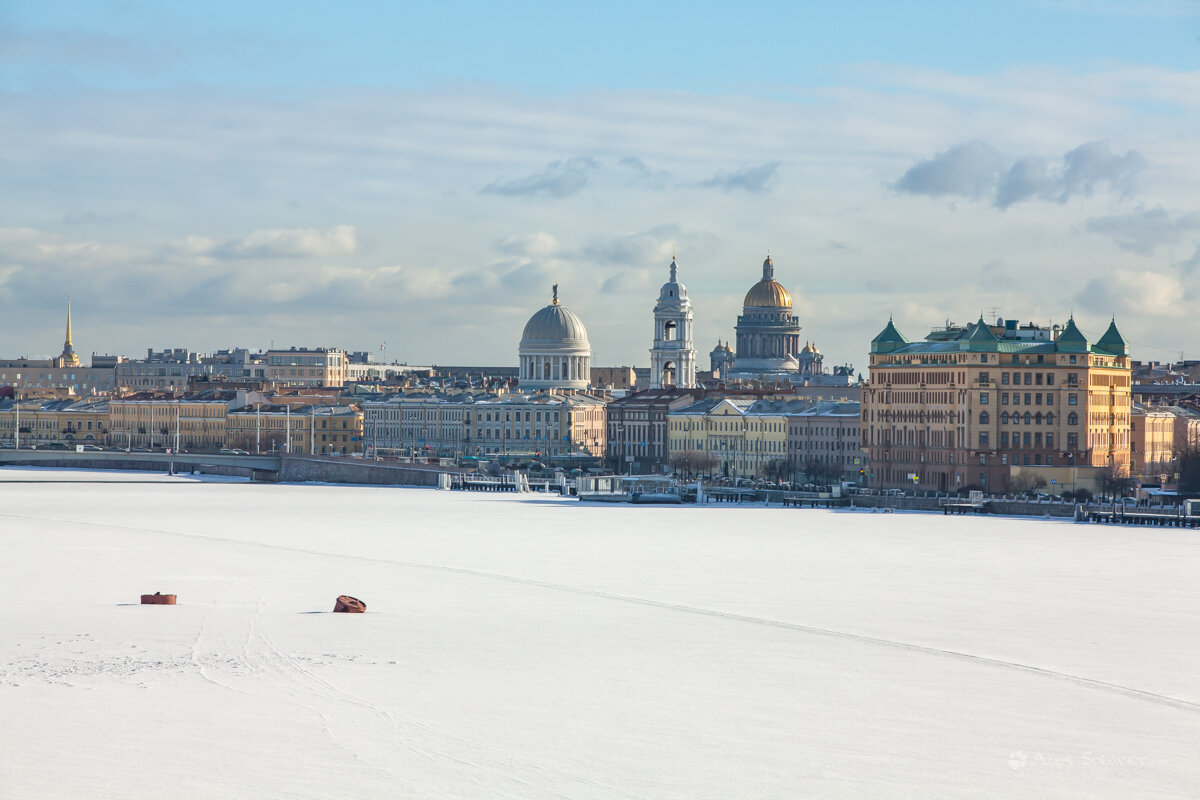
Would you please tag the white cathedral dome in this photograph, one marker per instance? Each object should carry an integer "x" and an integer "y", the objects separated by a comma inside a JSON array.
[{"x": 555, "y": 352}]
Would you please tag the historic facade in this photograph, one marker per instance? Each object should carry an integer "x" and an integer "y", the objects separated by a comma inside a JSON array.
[
  {"x": 555, "y": 352},
  {"x": 673, "y": 356},
  {"x": 768, "y": 333},
  {"x": 993, "y": 405}
]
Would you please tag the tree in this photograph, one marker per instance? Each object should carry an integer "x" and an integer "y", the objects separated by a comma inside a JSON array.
[
  {"x": 1113, "y": 481},
  {"x": 1189, "y": 471}
]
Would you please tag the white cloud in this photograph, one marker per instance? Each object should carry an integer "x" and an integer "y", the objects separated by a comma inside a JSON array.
[{"x": 1137, "y": 292}]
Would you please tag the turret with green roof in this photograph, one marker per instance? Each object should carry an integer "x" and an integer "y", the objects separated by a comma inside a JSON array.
[
  {"x": 889, "y": 339},
  {"x": 1072, "y": 340},
  {"x": 1112, "y": 342}
]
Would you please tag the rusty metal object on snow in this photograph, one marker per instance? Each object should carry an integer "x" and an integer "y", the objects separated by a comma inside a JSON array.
[
  {"x": 349, "y": 605},
  {"x": 158, "y": 599}
]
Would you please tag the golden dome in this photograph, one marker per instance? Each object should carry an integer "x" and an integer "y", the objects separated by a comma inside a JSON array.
[{"x": 769, "y": 293}]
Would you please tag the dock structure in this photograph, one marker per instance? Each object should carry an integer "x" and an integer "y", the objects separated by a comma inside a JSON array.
[
  {"x": 965, "y": 507},
  {"x": 1159, "y": 518}
]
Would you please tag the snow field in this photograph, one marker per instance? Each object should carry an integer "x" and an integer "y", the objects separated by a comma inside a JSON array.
[{"x": 534, "y": 648}]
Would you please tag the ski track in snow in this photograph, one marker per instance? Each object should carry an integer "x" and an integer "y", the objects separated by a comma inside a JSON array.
[{"x": 1078, "y": 680}]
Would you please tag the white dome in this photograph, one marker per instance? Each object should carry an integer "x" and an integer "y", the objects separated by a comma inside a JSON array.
[
  {"x": 555, "y": 324},
  {"x": 555, "y": 352}
]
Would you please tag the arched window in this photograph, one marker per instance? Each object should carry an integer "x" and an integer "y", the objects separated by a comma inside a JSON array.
[
  {"x": 1028, "y": 418},
  {"x": 1072, "y": 418},
  {"x": 983, "y": 418},
  {"x": 1003, "y": 417},
  {"x": 1050, "y": 418},
  {"x": 1038, "y": 418},
  {"x": 669, "y": 331}
]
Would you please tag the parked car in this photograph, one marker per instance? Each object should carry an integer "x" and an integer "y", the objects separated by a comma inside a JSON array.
[
  {"x": 140, "y": 450},
  {"x": 55, "y": 446},
  {"x": 91, "y": 448}
]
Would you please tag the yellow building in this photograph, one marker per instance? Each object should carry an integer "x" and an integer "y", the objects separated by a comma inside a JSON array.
[
  {"x": 68, "y": 422},
  {"x": 734, "y": 436},
  {"x": 1152, "y": 446},
  {"x": 985, "y": 405},
  {"x": 266, "y": 428},
  {"x": 188, "y": 424}
]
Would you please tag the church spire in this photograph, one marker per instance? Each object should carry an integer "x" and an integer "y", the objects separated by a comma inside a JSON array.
[
  {"x": 674, "y": 270},
  {"x": 768, "y": 269},
  {"x": 68, "y": 357}
]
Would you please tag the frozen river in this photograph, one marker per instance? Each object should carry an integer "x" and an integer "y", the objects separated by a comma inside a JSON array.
[{"x": 532, "y": 647}]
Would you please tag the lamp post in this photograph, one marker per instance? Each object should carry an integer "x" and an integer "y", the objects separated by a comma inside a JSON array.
[{"x": 17, "y": 405}]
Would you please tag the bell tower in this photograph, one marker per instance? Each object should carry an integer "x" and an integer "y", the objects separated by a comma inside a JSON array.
[{"x": 673, "y": 357}]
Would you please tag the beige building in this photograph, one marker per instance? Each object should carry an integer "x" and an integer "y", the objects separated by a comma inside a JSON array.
[
  {"x": 69, "y": 422},
  {"x": 1152, "y": 443},
  {"x": 984, "y": 405},
  {"x": 738, "y": 437},
  {"x": 304, "y": 367},
  {"x": 188, "y": 424},
  {"x": 267, "y": 427}
]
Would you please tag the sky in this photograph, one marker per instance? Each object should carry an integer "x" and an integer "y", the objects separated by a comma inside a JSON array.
[{"x": 255, "y": 174}]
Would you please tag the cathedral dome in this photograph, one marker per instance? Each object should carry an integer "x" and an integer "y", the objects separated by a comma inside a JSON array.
[
  {"x": 768, "y": 293},
  {"x": 555, "y": 352},
  {"x": 555, "y": 323}
]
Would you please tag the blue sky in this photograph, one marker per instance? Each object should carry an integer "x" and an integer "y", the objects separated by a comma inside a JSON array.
[
  {"x": 556, "y": 46},
  {"x": 216, "y": 174}
]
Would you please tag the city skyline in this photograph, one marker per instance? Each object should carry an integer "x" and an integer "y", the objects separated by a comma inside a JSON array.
[{"x": 229, "y": 183}]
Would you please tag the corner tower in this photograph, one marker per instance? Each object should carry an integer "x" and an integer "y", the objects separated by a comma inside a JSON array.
[{"x": 673, "y": 356}]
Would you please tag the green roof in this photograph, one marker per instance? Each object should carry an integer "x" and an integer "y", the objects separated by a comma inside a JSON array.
[
  {"x": 888, "y": 339},
  {"x": 1112, "y": 342},
  {"x": 981, "y": 339},
  {"x": 1072, "y": 340}
]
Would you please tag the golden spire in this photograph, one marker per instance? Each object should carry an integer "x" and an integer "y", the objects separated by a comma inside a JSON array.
[{"x": 68, "y": 357}]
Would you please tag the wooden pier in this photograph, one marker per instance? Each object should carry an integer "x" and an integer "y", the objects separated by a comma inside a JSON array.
[{"x": 1158, "y": 518}]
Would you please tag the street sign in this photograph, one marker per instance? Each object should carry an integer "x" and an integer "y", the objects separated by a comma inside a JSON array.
[
  {"x": 857, "y": 461},
  {"x": 1053, "y": 481},
  {"x": 1162, "y": 478}
]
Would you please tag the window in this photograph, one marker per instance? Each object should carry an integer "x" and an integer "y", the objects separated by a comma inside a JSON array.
[
  {"x": 1028, "y": 440},
  {"x": 983, "y": 398},
  {"x": 1049, "y": 378},
  {"x": 983, "y": 418},
  {"x": 1049, "y": 441},
  {"x": 1004, "y": 378},
  {"x": 1028, "y": 420},
  {"x": 1072, "y": 441},
  {"x": 1072, "y": 418},
  {"x": 1003, "y": 417},
  {"x": 1028, "y": 399},
  {"x": 1072, "y": 399},
  {"x": 1050, "y": 418},
  {"x": 1037, "y": 398},
  {"x": 1049, "y": 398},
  {"x": 1004, "y": 438},
  {"x": 1072, "y": 359},
  {"x": 1028, "y": 378},
  {"x": 983, "y": 439},
  {"x": 1004, "y": 398}
]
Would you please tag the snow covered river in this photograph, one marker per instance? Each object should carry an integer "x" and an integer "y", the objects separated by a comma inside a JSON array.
[{"x": 532, "y": 647}]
